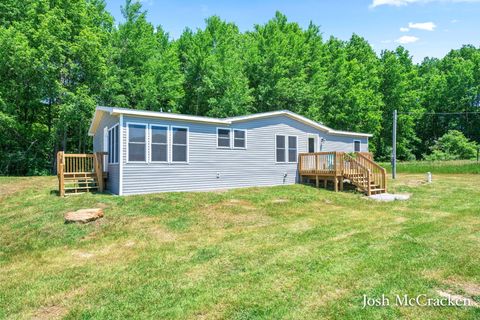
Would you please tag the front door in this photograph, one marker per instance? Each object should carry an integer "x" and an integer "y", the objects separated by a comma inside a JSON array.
[{"x": 312, "y": 142}]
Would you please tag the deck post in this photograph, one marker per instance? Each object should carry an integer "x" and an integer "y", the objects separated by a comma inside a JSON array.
[
  {"x": 317, "y": 181},
  {"x": 335, "y": 182},
  {"x": 99, "y": 170},
  {"x": 341, "y": 183},
  {"x": 325, "y": 183},
  {"x": 369, "y": 186},
  {"x": 60, "y": 171}
]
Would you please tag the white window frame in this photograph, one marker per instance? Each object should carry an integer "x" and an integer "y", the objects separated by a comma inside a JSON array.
[
  {"x": 187, "y": 145},
  {"x": 113, "y": 147},
  {"x": 287, "y": 160},
  {"x": 360, "y": 145},
  {"x": 233, "y": 139},
  {"x": 285, "y": 148},
  {"x": 152, "y": 143},
  {"x": 128, "y": 141},
  {"x": 229, "y": 138}
]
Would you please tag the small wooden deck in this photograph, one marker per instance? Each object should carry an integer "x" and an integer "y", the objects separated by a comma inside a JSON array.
[
  {"x": 357, "y": 168},
  {"x": 80, "y": 172}
]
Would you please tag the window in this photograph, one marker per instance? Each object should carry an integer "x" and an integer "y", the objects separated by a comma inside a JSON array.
[
  {"x": 223, "y": 138},
  {"x": 113, "y": 145},
  {"x": 280, "y": 148},
  {"x": 137, "y": 142},
  {"x": 356, "y": 145},
  {"x": 286, "y": 148},
  {"x": 292, "y": 149},
  {"x": 239, "y": 139},
  {"x": 159, "y": 143},
  {"x": 179, "y": 144}
]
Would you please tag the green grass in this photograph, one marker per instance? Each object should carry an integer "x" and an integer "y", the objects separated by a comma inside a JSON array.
[
  {"x": 447, "y": 167},
  {"x": 292, "y": 252}
]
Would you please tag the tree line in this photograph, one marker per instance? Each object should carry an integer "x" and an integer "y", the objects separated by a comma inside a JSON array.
[{"x": 59, "y": 59}]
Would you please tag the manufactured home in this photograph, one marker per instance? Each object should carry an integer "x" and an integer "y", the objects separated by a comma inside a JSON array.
[{"x": 148, "y": 152}]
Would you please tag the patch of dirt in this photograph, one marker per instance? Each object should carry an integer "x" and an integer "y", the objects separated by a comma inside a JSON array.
[
  {"x": 16, "y": 185},
  {"x": 280, "y": 200},
  {"x": 344, "y": 235},
  {"x": 400, "y": 219},
  {"x": 83, "y": 255},
  {"x": 456, "y": 297},
  {"x": 161, "y": 234},
  {"x": 221, "y": 218},
  {"x": 320, "y": 299},
  {"x": 51, "y": 312},
  {"x": 239, "y": 203},
  {"x": 302, "y": 225},
  {"x": 470, "y": 288}
]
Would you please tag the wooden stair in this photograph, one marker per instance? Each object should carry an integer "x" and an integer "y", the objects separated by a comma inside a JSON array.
[
  {"x": 79, "y": 173},
  {"x": 365, "y": 174}
]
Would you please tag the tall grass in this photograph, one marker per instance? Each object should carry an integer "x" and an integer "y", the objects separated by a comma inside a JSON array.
[{"x": 453, "y": 167}]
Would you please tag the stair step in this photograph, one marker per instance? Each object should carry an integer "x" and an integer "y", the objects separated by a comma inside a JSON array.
[{"x": 81, "y": 188}]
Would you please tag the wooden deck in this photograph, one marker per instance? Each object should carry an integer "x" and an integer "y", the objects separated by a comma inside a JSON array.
[
  {"x": 80, "y": 172},
  {"x": 357, "y": 168}
]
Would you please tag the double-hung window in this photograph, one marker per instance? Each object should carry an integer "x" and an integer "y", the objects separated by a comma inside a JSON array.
[
  {"x": 179, "y": 144},
  {"x": 239, "y": 139},
  {"x": 159, "y": 143},
  {"x": 223, "y": 138},
  {"x": 113, "y": 145},
  {"x": 286, "y": 148},
  {"x": 137, "y": 142},
  {"x": 292, "y": 149}
]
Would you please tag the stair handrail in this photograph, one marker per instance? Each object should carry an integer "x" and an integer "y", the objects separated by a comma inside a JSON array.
[
  {"x": 382, "y": 178},
  {"x": 364, "y": 170}
]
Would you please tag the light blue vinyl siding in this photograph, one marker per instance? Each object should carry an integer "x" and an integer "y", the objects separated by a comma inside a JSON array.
[
  {"x": 212, "y": 168},
  {"x": 113, "y": 181}
]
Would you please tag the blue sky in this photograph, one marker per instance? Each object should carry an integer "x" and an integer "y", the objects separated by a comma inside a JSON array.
[{"x": 424, "y": 27}]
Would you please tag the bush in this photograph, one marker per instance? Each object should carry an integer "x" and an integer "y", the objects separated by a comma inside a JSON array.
[{"x": 453, "y": 145}]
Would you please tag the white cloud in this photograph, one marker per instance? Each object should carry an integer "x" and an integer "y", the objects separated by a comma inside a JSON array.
[
  {"x": 407, "y": 39},
  {"x": 398, "y": 3},
  {"x": 428, "y": 26},
  {"x": 404, "y": 29}
]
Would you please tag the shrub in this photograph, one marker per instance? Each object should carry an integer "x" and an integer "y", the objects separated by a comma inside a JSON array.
[{"x": 453, "y": 145}]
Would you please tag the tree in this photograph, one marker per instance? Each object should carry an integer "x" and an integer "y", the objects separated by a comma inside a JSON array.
[
  {"x": 145, "y": 70},
  {"x": 215, "y": 82},
  {"x": 276, "y": 64},
  {"x": 399, "y": 87}
]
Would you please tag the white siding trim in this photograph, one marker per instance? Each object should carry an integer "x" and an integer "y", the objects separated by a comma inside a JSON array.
[
  {"x": 146, "y": 141},
  {"x": 108, "y": 149},
  {"x": 120, "y": 159}
]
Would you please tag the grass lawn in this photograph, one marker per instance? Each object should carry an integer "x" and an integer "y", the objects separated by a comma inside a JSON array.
[
  {"x": 453, "y": 167},
  {"x": 292, "y": 252}
]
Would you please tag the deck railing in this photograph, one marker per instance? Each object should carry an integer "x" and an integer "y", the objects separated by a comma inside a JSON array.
[
  {"x": 358, "y": 166},
  {"x": 328, "y": 163},
  {"x": 77, "y": 166},
  {"x": 378, "y": 174}
]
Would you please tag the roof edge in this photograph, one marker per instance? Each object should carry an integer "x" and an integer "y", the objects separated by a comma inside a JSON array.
[{"x": 226, "y": 121}]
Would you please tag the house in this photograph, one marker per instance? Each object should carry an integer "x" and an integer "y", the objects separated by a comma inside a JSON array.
[{"x": 160, "y": 151}]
